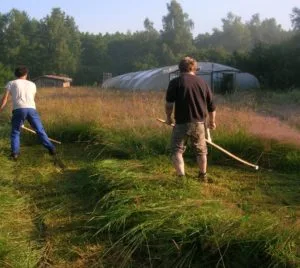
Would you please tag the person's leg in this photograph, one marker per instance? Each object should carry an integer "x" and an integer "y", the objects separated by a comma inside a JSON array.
[
  {"x": 35, "y": 122},
  {"x": 178, "y": 148},
  {"x": 197, "y": 135},
  {"x": 202, "y": 163},
  {"x": 18, "y": 118},
  {"x": 178, "y": 163}
]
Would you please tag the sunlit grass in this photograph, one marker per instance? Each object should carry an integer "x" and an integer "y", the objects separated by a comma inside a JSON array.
[
  {"x": 118, "y": 201},
  {"x": 16, "y": 226},
  {"x": 283, "y": 105},
  {"x": 177, "y": 223}
]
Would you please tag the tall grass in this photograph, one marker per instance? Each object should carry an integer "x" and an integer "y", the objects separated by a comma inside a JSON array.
[
  {"x": 137, "y": 110},
  {"x": 284, "y": 105},
  {"x": 108, "y": 119},
  {"x": 145, "y": 215},
  {"x": 164, "y": 223}
]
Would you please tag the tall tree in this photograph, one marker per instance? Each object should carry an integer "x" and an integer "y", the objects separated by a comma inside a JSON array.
[
  {"x": 14, "y": 43},
  {"x": 242, "y": 37},
  {"x": 94, "y": 59},
  {"x": 235, "y": 35},
  {"x": 177, "y": 28},
  {"x": 295, "y": 18},
  {"x": 254, "y": 26},
  {"x": 149, "y": 25},
  {"x": 61, "y": 43}
]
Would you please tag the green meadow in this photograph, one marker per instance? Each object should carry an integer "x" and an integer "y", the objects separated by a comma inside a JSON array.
[{"x": 111, "y": 197}]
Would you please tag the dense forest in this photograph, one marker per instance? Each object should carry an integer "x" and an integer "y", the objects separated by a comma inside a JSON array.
[{"x": 54, "y": 45}]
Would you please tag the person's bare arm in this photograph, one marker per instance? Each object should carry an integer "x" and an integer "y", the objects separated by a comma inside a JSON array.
[
  {"x": 212, "y": 120},
  {"x": 169, "y": 110},
  {"x": 4, "y": 100}
]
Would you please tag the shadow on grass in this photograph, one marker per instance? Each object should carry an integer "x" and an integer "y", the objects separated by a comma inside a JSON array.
[{"x": 61, "y": 203}]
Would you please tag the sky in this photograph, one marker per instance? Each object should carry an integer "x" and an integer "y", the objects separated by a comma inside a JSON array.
[{"x": 110, "y": 16}]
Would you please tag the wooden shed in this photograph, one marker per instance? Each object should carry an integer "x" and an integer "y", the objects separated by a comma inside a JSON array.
[{"x": 52, "y": 81}]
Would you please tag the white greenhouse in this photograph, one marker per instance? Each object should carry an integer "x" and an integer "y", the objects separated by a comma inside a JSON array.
[{"x": 221, "y": 78}]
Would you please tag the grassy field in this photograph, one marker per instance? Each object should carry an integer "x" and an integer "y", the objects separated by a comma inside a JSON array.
[{"x": 118, "y": 203}]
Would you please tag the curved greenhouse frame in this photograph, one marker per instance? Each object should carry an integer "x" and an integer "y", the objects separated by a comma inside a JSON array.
[{"x": 220, "y": 77}]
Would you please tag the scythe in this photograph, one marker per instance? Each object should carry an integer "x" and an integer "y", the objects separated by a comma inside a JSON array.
[{"x": 209, "y": 141}]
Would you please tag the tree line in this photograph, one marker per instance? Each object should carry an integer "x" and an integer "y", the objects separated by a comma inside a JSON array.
[{"x": 54, "y": 45}]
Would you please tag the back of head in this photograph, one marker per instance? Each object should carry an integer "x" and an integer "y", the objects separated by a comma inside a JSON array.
[
  {"x": 187, "y": 64},
  {"x": 20, "y": 71}
]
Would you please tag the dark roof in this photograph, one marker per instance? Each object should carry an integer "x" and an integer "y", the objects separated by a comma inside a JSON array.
[{"x": 55, "y": 77}]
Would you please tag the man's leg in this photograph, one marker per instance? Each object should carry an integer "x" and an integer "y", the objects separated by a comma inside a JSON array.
[
  {"x": 178, "y": 148},
  {"x": 202, "y": 163},
  {"x": 197, "y": 134},
  {"x": 35, "y": 122},
  {"x": 178, "y": 163},
  {"x": 17, "y": 121}
]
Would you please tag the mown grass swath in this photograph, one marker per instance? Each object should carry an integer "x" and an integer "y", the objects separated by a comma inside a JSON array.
[
  {"x": 177, "y": 224},
  {"x": 120, "y": 183}
]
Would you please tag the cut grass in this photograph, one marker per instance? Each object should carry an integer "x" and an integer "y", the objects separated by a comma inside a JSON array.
[
  {"x": 133, "y": 212},
  {"x": 176, "y": 224},
  {"x": 117, "y": 202},
  {"x": 44, "y": 211},
  {"x": 17, "y": 248}
]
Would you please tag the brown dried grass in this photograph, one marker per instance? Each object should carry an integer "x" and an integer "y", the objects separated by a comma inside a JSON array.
[
  {"x": 136, "y": 110},
  {"x": 262, "y": 126}
]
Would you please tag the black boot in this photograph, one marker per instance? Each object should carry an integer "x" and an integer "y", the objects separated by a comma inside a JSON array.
[{"x": 14, "y": 156}]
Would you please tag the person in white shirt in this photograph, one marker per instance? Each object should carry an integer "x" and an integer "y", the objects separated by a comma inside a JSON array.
[{"x": 23, "y": 93}]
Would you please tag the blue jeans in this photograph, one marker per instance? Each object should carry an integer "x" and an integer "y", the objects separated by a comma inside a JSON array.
[{"x": 18, "y": 118}]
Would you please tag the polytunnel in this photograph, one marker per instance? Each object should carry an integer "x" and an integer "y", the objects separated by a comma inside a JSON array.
[{"x": 221, "y": 78}]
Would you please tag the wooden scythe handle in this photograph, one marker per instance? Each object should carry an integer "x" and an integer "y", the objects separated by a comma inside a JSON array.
[
  {"x": 32, "y": 131},
  {"x": 219, "y": 148}
]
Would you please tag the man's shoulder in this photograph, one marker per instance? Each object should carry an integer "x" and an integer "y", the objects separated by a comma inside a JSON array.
[
  {"x": 200, "y": 81},
  {"x": 9, "y": 84},
  {"x": 26, "y": 82},
  {"x": 199, "y": 78},
  {"x": 174, "y": 82},
  {"x": 31, "y": 83},
  {"x": 20, "y": 84}
]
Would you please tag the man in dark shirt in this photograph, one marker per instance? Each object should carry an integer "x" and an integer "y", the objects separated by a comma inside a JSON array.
[{"x": 193, "y": 101}]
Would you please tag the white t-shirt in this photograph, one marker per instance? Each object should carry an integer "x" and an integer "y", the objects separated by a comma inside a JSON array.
[{"x": 22, "y": 92}]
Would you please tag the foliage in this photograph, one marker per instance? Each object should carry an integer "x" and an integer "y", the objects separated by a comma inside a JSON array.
[
  {"x": 242, "y": 37},
  {"x": 295, "y": 18},
  {"x": 177, "y": 26},
  {"x": 274, "y": 65},
  {"x": 14, "y": 28},
  {"x": 60, "y": 43},
  {"x": 5, "y": 75},
  {"x": 54, "y": 45}
]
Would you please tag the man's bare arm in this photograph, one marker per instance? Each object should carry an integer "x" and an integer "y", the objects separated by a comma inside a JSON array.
[
  {"x": 4, "y": 100},
  {"x": 169, "y": 110},
  {"x": 212, "y": 120}
]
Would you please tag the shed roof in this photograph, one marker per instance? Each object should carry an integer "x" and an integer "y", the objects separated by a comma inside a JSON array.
[{"x": 54, "y": 77}]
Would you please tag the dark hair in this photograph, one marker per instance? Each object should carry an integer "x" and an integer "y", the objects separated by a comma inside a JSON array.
[
  {"x": 21, "y": 71},
  {"x": 187, "y": 64}
]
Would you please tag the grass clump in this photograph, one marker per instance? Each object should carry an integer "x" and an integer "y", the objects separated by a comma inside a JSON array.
[
  {"x": 16, "y": 229},
  {"x": 118, "y": 203},
  {"x": 152, "y": 218}
]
